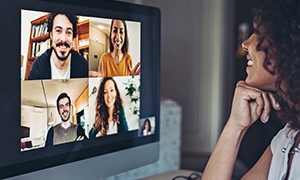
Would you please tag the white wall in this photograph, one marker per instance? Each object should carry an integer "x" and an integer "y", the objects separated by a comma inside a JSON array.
[
  {"x": 27, "y": 17},
  {"x": 34, "y": 118},
  {"x": 193, "y": 66},
  {"x": 134, "y": 36}
]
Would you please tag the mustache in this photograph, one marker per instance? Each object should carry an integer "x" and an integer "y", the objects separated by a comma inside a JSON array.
[
  {"x": 63, "y": 44},
  {"x": 65, "y": 111}
]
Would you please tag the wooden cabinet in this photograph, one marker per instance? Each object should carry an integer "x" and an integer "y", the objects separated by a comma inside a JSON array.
[
  {"x": 39, "y": 40},
  {"x": 82, "y": 39},
  {"x": 80, "y": 104}
]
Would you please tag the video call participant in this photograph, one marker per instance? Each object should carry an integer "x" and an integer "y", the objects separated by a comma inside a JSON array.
[
  {"x": 118, "y": 61},
  {"x": 60, "y": 61},
  {"x": 272, "y": 84},
  {"x": 110, "y": 116},
  {"x": 146, "y": 128},
  {"x": 65, "y": 131}
]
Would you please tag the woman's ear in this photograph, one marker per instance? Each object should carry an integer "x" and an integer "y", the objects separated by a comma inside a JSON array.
[
  {"x": 272, "y": 62},
  {"x": 272, "y": 65}
]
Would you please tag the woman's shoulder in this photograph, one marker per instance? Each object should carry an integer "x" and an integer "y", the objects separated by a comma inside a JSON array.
[
  {"x": 122, "y": 111},
  {"x": 122, "y": 116},
  {"x": 127, "y": 56},
  {"x": 282, "y": 137},
  {"x": 288, "y": 132},
  {"x": 106, "y": 55},
  {"x": 284, "y": 132}
]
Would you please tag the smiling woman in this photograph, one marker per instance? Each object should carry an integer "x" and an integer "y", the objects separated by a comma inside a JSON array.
[
  {"x": 272, "y": 84},
  {"x": 110, "y": 116},
  {"x": 258, "y": 75},
  {"x": 118, "y": 61}
]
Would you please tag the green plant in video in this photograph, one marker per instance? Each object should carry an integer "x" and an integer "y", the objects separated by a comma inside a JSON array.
[{"x": 133, "y": 91}]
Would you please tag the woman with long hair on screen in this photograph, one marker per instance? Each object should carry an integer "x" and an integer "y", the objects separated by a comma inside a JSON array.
[
  {"x": 110, "y": 116},
  {"x": 272, "y": 84},
  {"x": 118, "y": 61},
  {"x": 146, "y": 128}
]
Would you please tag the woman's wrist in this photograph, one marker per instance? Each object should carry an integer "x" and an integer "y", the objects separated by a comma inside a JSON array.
[
  {"x": 234, "y": 129},
  {"x": 238, "y": 124}
]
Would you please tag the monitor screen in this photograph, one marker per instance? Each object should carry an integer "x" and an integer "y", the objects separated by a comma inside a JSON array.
[{"x": 80, "y": 87}]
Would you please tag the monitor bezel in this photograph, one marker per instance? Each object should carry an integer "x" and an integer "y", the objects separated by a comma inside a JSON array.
[{"x": 13, "y": 82}]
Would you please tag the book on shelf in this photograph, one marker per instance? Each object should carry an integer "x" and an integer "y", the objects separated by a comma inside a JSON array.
[
  {"x": 39, "y": 30},
  {"x": 83, "y": 42},
  {"x": 38, "y": 48},
  {"x": 33, "y": 31}
]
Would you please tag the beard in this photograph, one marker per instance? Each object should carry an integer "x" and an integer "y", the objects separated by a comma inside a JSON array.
[
  {"x": 65, "y": 119},
  {"x": 62, "y": 58}
]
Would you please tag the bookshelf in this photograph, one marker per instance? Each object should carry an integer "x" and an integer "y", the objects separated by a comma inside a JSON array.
[{"x": 39, "y": 40}]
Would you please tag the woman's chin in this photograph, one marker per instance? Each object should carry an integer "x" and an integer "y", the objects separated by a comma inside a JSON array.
[
  {"x": 260, "y": 85},
  {"x": 250, "y": 83}
]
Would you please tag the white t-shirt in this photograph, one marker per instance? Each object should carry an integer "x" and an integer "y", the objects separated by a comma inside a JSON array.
[
  {"x": 59, "y": 74},
  {"x": 145, "y": 133},
  {"x": 279, "y": 164},
  {"x": 112, "y": 128}
]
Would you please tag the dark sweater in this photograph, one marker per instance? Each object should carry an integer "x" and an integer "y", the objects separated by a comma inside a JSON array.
[
  {"x": 41, "y": 68},
  {"x": 59, "y": 135}
]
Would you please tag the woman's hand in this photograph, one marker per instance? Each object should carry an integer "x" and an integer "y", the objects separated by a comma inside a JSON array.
[
  {"x": 136, "y": 70},
  {"x": 249, "y": 104},
  {"x": 94, "y": 74}
]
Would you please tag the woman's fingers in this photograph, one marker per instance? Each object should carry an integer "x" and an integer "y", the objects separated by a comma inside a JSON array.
[
  {"x": 274, "y": 102},
  {"x": 267, "y": 108},
  {"x": 94, "y": 74},
  {"x": 264, "y": 100},
  {"x": 256, "y": 96},
  {"x": 136, "y": 69}
]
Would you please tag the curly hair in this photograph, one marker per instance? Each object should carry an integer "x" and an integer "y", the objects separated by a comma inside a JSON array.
[
  {"x": 125, "y": 47},
  {"x": 278, "y": 22},
  {"x": 102, "y": 115},
  {"x": 72, "y": 18}
]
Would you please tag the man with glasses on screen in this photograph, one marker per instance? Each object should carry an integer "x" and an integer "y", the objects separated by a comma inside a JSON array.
[
  {"x": 60, "y": 61},
  {"x": 65, "y": 131}
]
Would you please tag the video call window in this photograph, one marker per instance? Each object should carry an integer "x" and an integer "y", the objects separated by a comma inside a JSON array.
[
  {"x": 78, "y": 83},
  {"x": 147, "y": 126}
]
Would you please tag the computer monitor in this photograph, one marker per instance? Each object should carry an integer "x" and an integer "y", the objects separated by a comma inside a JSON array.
[{"x": 65, "y": 111}]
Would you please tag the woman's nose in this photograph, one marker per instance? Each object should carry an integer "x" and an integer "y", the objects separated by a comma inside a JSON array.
[
  {"x": 118, "y": 35},
  {"x": 245, "y": 45}
]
